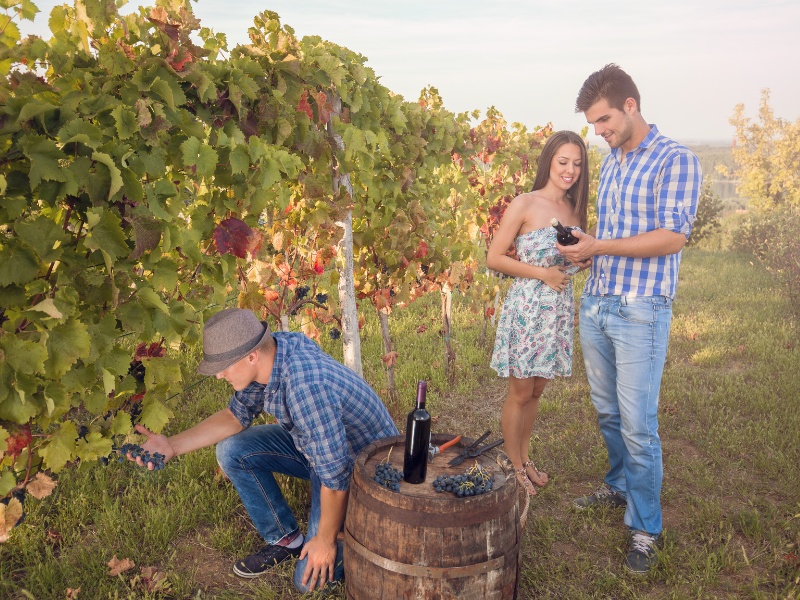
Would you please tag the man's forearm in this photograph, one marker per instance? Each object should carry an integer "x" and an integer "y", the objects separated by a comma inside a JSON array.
[
  {"x": 658, "y": 242},
  {"x": 222, "y": 424},
  {"x": 333, "y": 507}
]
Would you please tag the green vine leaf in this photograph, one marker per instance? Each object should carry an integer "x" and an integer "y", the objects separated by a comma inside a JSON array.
[
  {"x": 43, "y": 235},
  {"x": 114, "y": 173},
  {"x": 60, "y": 448},
  {"x": 93, "y": 446},
  {"x": 105, "y": 233},
  {"x": 126, "y": 122},
  {"x": 18, "y": 265},
  {"x": 44, "y": 156},
  {"x": 155, "y": 414},
  {"x": 66, "y": 343},
  {"x": 200, "y": 156}
]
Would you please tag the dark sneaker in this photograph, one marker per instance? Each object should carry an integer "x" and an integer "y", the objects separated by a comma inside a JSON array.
[
  {"x": 603, "y": 496},
  {"x": 642, "y": 550},
  {"x": 263, "y": 560}
]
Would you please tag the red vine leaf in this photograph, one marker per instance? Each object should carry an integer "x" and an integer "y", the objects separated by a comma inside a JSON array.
[
  {"x": 144, "y": 350},
  {"x": 304, "y": 106},
  {"x": 324, "y": 107},
  {"x": 390, "y": 358},
  {"x": 256, "y": 240},
  {"x": 233, "y": 236},
  {"x": 19, "y": 441}
]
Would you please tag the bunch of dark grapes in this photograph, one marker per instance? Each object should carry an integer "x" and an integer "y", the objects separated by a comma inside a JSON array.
[
  {"x": 136, "y": 369},
  {"x": 473, "y": 482},
  {"x": 387, "y": 476},
  {"x": 135, "y": 450},
  {"x": 136, "y": 411},
  {"x": 335, "y": 334},
  {"x": 321, "y": 298},
  {"x": 301, "y": 291}
]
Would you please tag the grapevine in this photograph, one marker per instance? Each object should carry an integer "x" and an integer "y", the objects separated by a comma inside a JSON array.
[{"x": 135, "y": 202}]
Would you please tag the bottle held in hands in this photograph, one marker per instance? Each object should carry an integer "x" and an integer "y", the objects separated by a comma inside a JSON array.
[
  {"x": 418, "y": 436},
  {"x": 563, "y": 234}
]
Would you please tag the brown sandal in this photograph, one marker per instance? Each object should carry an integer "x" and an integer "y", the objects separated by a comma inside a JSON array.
[
  {"x": 540, "y": 476},
  {"x": 525, "y": 481}
]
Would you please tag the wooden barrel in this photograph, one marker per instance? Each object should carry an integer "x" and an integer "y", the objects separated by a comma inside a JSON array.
[{"x": 419, "y": 543}]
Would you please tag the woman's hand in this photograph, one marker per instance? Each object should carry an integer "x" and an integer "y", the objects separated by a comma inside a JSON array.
[{"x": 556, "y": 277}]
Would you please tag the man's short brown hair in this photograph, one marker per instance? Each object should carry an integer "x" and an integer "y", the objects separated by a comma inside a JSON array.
[{"x": 610, "y": 83}]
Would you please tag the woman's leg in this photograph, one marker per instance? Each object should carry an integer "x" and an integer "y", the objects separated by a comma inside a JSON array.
[
  {"x": 530, "y": 411},
  {"x": 512, "y": 422}
]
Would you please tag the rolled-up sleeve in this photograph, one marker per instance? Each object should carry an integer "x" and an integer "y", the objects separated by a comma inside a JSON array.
[
  {"x": 247, "y": 405},
  {"x": 679, "y": 193}
]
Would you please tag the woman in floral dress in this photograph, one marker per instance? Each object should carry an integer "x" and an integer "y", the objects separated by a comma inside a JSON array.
[{"x": 534, "y": 335}]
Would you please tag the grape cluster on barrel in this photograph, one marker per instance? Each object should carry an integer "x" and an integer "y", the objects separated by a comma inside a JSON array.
[
  {"x": 387, "y": 476},
  {"x": 136, "y": 451},
  {"x": 473, "y": 482}
]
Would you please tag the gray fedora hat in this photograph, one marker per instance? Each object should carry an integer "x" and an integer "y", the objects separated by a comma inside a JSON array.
[{"x": 229, "y": 336}]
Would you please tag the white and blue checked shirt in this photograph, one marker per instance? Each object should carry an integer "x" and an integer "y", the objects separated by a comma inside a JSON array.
[
  {"x": 330, "y": 412},
  {"x": 656, "y": 187}
]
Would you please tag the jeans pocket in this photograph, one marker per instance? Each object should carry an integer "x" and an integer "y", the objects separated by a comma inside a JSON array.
[{"x": 641, "y": 312}]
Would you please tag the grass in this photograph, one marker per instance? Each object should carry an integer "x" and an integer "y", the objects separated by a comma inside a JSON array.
[{"x": 729, "y": 425}]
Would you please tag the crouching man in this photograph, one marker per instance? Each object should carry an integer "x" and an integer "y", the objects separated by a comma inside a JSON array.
[{"x": 326, "y": 414}]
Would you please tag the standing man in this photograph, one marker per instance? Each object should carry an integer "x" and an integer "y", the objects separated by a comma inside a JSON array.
[
  {"x": 646, "y": 204},
  {"x": 326, "y": 414}
]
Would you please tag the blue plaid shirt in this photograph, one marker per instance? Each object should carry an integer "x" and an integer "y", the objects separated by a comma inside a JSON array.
[
  {"x": 656, "y": 187},
  {"x": 330, "y": 412}
]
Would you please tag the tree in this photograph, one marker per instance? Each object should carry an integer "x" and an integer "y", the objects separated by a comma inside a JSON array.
[
  {"x": 767, "y": 157},
  {"x": 706, "y": 223}
]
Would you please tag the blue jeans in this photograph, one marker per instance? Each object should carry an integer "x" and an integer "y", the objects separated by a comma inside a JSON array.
[
  {"x": 249, "y": 459},
  {"x": 624, "y": 341}
]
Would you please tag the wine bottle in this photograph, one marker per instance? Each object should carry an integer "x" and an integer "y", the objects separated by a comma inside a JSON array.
[
  {"x": 418, "y": 439},
  {"x": 563, "y": 234}
]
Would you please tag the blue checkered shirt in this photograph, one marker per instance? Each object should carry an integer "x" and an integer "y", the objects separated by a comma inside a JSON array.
[
  {"x": 657, "y": 186},
  {"x": 330, "y": 412}
]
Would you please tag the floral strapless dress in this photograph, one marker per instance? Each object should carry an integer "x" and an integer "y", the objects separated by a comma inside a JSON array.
[{"x": 534, "y": 334}]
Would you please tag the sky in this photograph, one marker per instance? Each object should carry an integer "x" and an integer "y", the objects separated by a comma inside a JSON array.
[{"x": 692, "y": 60}]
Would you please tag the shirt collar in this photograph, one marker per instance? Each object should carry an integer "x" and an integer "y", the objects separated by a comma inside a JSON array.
[
  {"x": 648, "y": 141},
  {"x": 277, "y": 363}
]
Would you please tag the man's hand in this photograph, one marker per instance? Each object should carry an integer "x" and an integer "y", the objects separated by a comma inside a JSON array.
[
  {"x": 321, "y": 562},
  {"x": 579, "y": 254},
  {"x": 155, "y": 443}
]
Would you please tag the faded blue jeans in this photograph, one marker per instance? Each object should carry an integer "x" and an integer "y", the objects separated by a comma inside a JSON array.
[
  {"x": 624, "y": 341},
  {"x": 249, "y": 459}
]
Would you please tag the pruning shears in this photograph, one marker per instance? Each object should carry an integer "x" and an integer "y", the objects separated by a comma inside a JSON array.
[{"x": 474, "y": 449}]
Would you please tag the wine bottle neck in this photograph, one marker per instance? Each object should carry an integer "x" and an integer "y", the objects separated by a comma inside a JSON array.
[{"x": 422, "y": 390}]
